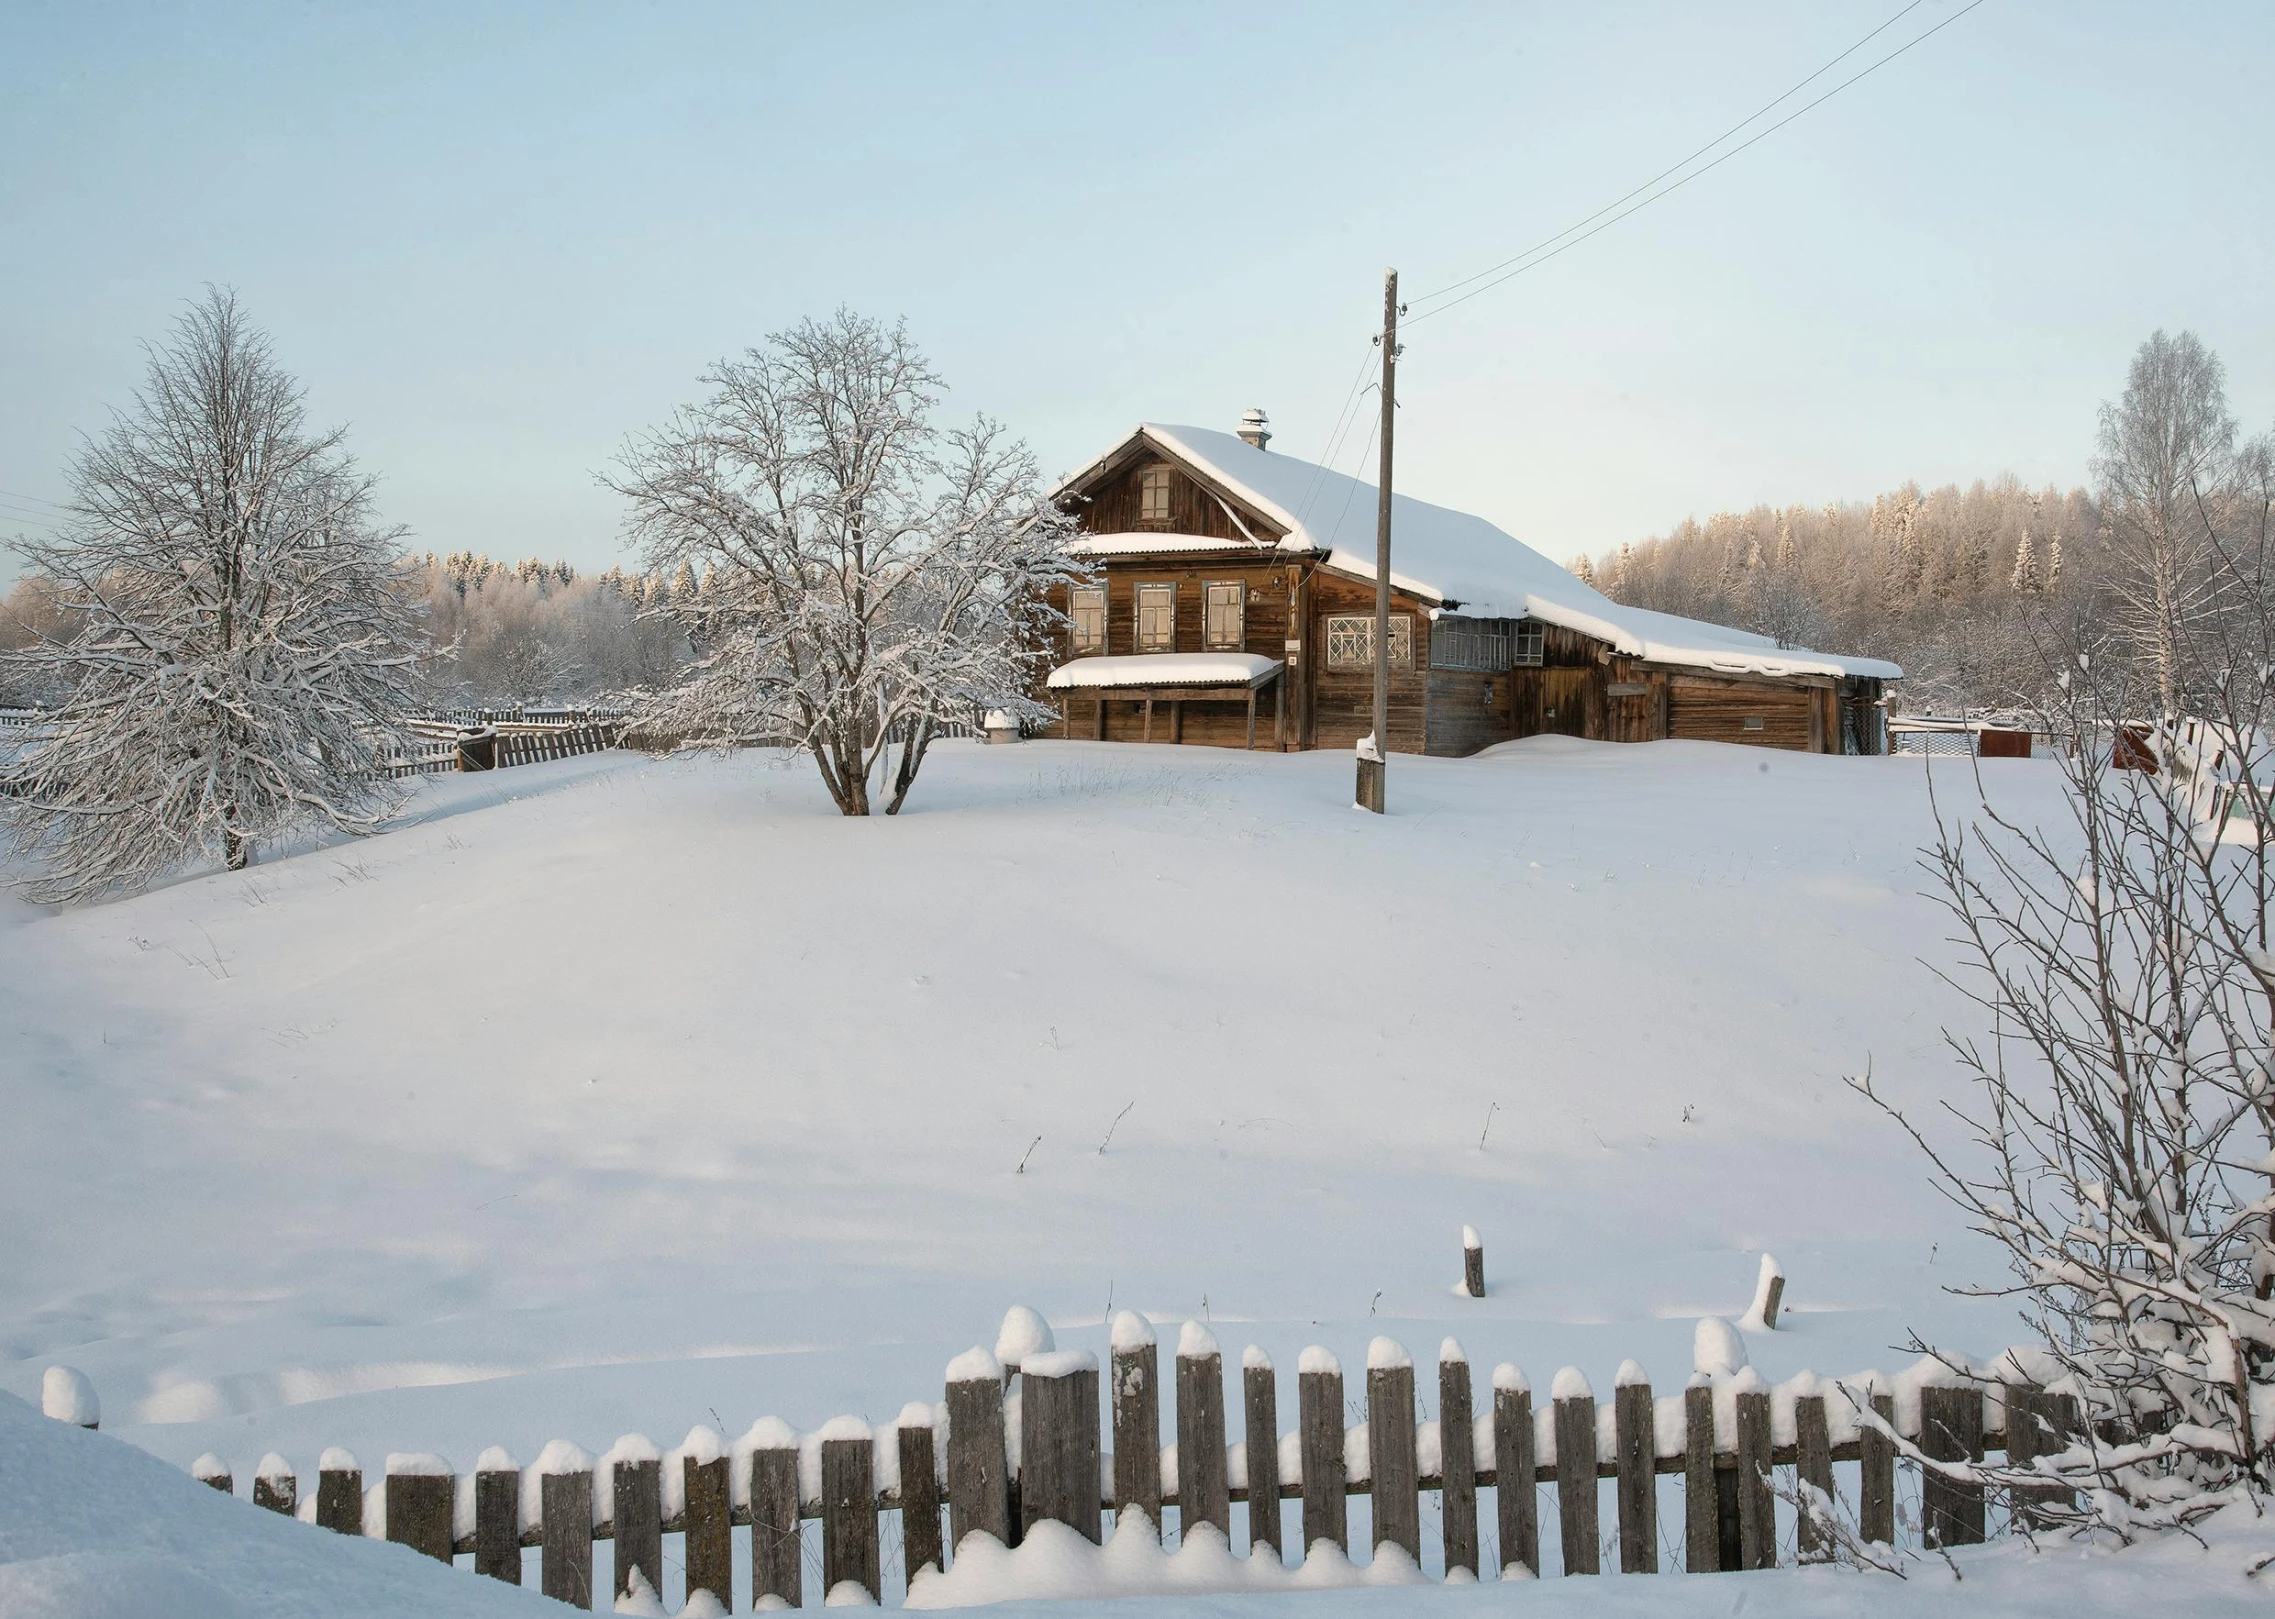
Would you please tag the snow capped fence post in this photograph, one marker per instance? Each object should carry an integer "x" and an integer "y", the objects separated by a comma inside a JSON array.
[
  {"x": 1023, "y": 1333},
  {"x": 776, "y": 1563},
  {"x": 636, "y": 1511},
  {"x": 497, "y": 1516},
  {"x": 1951, "y": 1430},
  {"x": 1702, "y": 1536},
  {"x": 1517, "y": 1504},
  {"x": 1392, "y": 1466},
  {"x": 1319, "y": 1418},
  {"x": 1876, "y": 1470},
  {"x": 1635, "y": 1444},
  {"x": 706, "y": 1487},
  {"x": 66, "y": 1395},
  {"x": 565, "y": 1523},
  {"x": 212, "y": 1472},
  {"x": 1575, "y": 1424},
  {"x": 978, "y": 1495},
  {"x": 2035, "y": 1426},
  {"x": 339, "y": 1493},
  {"x": 1137, "y": 1420},
  {"x": 1472, "y": 1263},
  {"x": 275, "y": 1485},
  {"x": 1457, "y": 1460},
  {"x": 1058, "y": 1442},
  {"x": 849, "y": 1508},
  {"x": 920, "y": 1491},
  {"x": 1812, "y": 1465},
  {"x": 1203, "y": 1491},
  {"x": 1260, "y": 1402},
  {"x": 421, "y": 1498},
  {"x": 1769, "y": 1294},
  {"x": 1757, "y": 1507}
]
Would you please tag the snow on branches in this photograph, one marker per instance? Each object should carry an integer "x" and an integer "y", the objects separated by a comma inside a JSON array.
[
  {"x": 868, "y": 576},
  {"x": 237, "y": 635}
]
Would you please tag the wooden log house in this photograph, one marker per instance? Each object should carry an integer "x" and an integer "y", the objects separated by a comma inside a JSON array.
[{"x": 1234, "y": 607}]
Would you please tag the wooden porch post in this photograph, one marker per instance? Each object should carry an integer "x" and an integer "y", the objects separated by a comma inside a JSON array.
[
  {"x": 1250, "y": 744},
  {"x": 1149, "y": 719}
]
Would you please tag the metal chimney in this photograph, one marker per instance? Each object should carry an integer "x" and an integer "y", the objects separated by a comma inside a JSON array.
[{"x": 1253, "y": 430}]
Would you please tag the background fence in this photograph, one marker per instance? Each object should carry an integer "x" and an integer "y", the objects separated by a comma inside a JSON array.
[{"x": 1683, "y": 1483}]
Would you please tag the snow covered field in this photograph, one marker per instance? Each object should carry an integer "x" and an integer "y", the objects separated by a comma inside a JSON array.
[{"x": 618, "y": 1095}]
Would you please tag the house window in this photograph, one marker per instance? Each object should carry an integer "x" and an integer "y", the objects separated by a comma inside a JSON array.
[
  {"x": 1156, "y": 618},
  {"x": 1485, "y": 645},
  {"x": 1086, "y": 616},
  {"x": 1153, "y": 495},
  {"x": 1527, "y": 644},
  {"x": 1350, "y": 641},
  {"x": 1224, "y": 611}
]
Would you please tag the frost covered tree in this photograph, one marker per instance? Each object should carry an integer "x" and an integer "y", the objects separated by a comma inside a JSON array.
[
  {"x": 875, "y": 575},
  {"x": 238, "y": 643}
]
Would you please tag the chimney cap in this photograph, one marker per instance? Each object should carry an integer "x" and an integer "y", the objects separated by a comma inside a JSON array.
[{"x": 1254, "y": 428}]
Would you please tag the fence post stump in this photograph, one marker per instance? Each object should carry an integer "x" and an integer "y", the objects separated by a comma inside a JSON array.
[
  {"x": 564, "y": 1501},
  {"x": 1058, "y": 1442},
  {"x": 1702, "y": 1535},
  {"x": 497, "y": 1517},
  {"x": 1951, "y": 1430},
  {"x": 1457, "y": 1459},
  {"x": 1319, "y": 1419},
  {"x": 777, "y": 1568},
  {"x": 420, "y": 1500},
  {"x": 1757, "y": 1507},
  {"x": 212, "y": 1472},
  {"x": 1876, "y": 1494},
  {"x": 1635, "y": 1439},
  {"x": 276, "y": 1486},
  {"x": 1260, "y": 1403},
  {"x": 1575, "y": 1406},
  {"x": 1516, "y": 1500},
  {"x": 710, "y": 1527},
  {"x": 637, "y": 1514},
  {"x": 339, "y": 1493},
  {"x": 979, "y": 1497},
  {"x": 1203, "y": 1490},
  {"x": 1136, "y": 1362},
  {"x": 849, "y": 1508},
  {"x": 1393, "y": 1470},
  {"x": 920, "y": 1492},
  {"x": 1472, "y": 1263},
  {"x": 1812, "y": 1465}
]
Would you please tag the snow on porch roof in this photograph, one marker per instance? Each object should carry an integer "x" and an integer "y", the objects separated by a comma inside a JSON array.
[
  {"x": 1164, "y": 669},
  {"x": 1452, "y": 557}
]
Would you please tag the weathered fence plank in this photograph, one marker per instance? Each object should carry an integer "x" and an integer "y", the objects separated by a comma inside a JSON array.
[
  {"x": 1058, "y": 1442},
  {"x": 1203, "y": 1491},
  {"x": 1472, "y": 1263},
  {"x": 979, "y": 1497},
  {"x": 339, "y": 1493},
  {"x": 710, "y": 1552},
  {"x": 419, "y": 1511},
  {"x": 1319, "y": 1416},
  {"x": 777, "y": 1568},
  {"x": 497, "y": 1521},
  {"x": 637, "y": 1515},
  {"x": 1575, "y": 1419},
  {"x": 564, "y": 1564},
  {"x": 1635, "y": 1447},
  {"x": 1757, "y": 1507},
  {"x": 1516, "y": 1502},
  {"x": 276, "y": 1487},
  {"x": 1876, "y": 1468},
  {"x": 1951, "y": 1430},
  {"x": 920, "y": 1493},
  {"x": 1457, "y": 1460},
  {"x": 1393, "y": 1469},
  {"x": 1260, "y": 1402},
  {"x": 1136, "y": 1381},
  {"x": 849, "y": 1512},
  {"x": 1702, "y": 1539},
  {"x": 1813, "y": 1465}
]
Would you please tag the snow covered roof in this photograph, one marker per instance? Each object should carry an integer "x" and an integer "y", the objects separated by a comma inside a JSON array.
[
  {"x": 1448, "y": 557},
  {"x": 1164, "y": 669}
]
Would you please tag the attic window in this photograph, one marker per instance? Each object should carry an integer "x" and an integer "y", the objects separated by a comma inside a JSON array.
[{"x": 1153, "y": 495}]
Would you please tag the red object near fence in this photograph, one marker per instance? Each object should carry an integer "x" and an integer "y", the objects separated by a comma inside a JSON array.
[
  {"x": 2131, "y": 751},
  {"x": 1991, "y": 744}
]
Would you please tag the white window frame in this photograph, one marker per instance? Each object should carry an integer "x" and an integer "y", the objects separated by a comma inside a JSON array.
[
  {"x": 1166, "y": 596},
  {"x": 1239, "y": 609},
  {"x": 1350, "y": 641},
  {"x": 1086, "y": 604},
  {"x": 1154, "y": 495}
]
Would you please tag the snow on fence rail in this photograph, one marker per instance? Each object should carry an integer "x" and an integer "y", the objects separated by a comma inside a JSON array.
[{"x": 1016, "y": 1444}]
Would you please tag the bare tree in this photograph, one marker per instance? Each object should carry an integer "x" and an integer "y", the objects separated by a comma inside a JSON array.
[
  {"x": 239, "y": 639},
  {"x": 870, "y": 575}
]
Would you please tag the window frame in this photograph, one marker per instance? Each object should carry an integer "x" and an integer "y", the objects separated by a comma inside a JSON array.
[
  {"x": 1077, "y": 646},
  {"x": 1137, "y": 616},
  {"x": 1239, "y": 641},
  {"x": 1401, "y": 630},
  {"x": 1155, "y": 481}
]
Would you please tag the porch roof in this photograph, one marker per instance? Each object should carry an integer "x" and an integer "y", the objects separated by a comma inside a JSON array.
[{"x": 1153, "y": 670}]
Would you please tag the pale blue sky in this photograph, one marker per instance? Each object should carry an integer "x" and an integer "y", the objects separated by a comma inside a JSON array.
[{"x": 495, "y": 239}]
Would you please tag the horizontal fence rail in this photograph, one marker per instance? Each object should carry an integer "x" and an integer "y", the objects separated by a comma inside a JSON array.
[
  {"x": 441, "y": 748},
  {"x": 1040, "y": 1437}
]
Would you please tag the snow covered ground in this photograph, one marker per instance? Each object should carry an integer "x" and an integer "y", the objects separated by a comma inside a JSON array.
[{"x": 616, "y": 1095}]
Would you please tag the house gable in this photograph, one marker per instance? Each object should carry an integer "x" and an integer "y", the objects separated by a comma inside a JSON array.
[{"x": 1107, "y": 497}]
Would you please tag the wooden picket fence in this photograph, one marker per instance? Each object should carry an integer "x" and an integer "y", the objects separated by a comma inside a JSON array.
[
  {"x": 1723, "y": 1448},
  {"x": 441, "y": 749}
]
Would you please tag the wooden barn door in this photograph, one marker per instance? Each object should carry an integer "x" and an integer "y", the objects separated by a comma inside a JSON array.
[{"x": 1564, "y": 701}]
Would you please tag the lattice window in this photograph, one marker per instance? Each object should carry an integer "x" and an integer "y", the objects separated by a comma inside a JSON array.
[
  {"x": 1086, "y": 614},
  {"x": 1485, "y": 645},
  {"x": 1157, "y": 618},
  {"x": 1527, "y": 644},
  {"x": 1350, "y": 641},
  {"x": 1224, "y": 614},
  {"x": 1153, "y": 495}
]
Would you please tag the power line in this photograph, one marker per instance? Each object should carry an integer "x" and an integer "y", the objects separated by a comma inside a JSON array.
[
  {"x": 1343, "y": 423},
  {"x": 34, "y": 500},
  {"x": 1530, "y": 263}
]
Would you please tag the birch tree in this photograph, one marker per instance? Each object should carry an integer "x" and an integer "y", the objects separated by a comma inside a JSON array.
[
  {"x": 874, "y": 575},
  {"x": 238, "y": 640}
]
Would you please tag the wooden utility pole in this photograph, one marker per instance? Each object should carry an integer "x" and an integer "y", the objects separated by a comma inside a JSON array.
[{"x": 1372, "y": 771}]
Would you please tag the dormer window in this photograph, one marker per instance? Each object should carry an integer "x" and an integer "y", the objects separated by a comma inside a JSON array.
[{"x": 1153, "y": 495}]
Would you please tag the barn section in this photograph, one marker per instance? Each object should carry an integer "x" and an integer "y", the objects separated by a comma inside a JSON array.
[{"x": 1208, "y": 548}]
